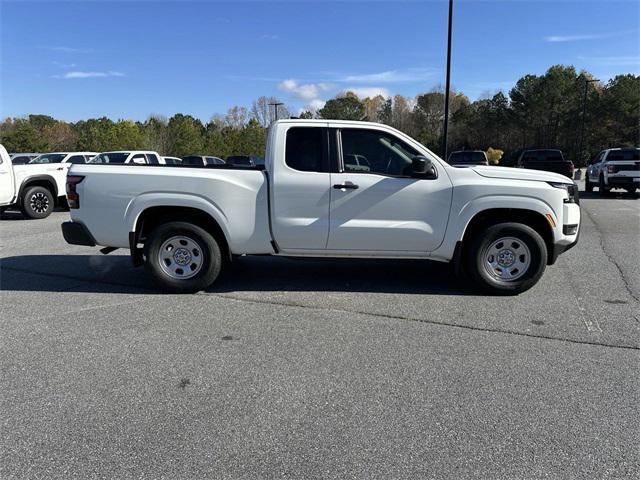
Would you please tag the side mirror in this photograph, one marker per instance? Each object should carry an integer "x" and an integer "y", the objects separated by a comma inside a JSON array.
[
  {"x": 139, "y": 161},
  {"x": 423, "y": 167}
]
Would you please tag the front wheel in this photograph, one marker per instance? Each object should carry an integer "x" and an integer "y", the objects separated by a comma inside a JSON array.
[
  {"x": 37, "y": 202},
  {"x": 182, "y": 257},
  {"x": 509, "y": 258}
]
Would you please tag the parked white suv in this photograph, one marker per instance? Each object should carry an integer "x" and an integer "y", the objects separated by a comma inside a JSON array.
[
  {"x": 38, "y": 186},
  {"x": 139, "y": 157},
  {"x": 614, "y": 168}
]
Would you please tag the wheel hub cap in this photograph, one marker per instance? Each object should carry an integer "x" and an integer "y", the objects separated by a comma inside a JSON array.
[
  {"x": 39, "y": 202},
  {"x": 507, "y": 259},
  {"x": 180, "y": 257}
]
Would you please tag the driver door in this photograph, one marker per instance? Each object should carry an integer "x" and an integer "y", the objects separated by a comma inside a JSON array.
[{"x": 376, "y": 203}]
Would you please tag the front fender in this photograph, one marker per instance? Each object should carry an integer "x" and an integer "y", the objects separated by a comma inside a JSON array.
[{"x": 461, "y": 216}]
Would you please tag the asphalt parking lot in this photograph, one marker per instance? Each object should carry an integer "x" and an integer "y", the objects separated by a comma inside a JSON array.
[{"x": 320, "y": 369}]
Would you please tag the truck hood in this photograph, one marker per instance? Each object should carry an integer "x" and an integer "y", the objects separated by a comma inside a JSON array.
[{"x": 520, "y": 174}]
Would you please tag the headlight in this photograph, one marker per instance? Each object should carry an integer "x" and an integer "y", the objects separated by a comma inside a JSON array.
[{"x": 572, "y": 191}]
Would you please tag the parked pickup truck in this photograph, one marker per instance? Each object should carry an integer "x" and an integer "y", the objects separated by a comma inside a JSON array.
[
  {"x": 614, "y": 168},
  {"x": 137, "y": 157},
  {"x": 38, "y": 186},
  {"x": 501, "y": 226},
  {"x": 547, "y": 160}
]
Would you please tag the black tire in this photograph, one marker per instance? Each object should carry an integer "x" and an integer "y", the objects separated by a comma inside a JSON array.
[
  {"x": 602, "y": 189},
  {"x": 483, "y": 275},
  {"x": 37, "y": 202},
  {"x": 588, "y": 186},
  {"x": 207, "y": 249},
  {"x": 631, "y": 190}
]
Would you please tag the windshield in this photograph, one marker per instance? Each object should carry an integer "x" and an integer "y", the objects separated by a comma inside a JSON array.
[
  {"x": 113, "y": 157},
  {"x": 49, "y": 158},
  {"x": 628, "y": 154}
]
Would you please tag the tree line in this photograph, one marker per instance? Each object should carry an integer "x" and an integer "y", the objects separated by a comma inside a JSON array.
[{"x": 540, "y": 111}]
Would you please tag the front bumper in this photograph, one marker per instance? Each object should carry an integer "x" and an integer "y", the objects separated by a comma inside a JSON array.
[
  {"x": 559, "y": 248},
  {"x": 77, "y": 234}
]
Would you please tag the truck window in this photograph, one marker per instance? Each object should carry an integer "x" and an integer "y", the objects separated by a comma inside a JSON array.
[
  {"x": 49, "y": 158},
  {"x": 153, "y": 159},
  {"x": 305, "y": 148},
  {"x": 76, "y": 159},
  {"x": 627, "y": 154},
  {"x": 374, "y": 151}
]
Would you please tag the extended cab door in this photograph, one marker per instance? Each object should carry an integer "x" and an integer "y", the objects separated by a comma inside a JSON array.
[
  {"x": 300, "y": 187},
  {"x": 7, "y": 189},
  {"x": 376, "y": 203}
]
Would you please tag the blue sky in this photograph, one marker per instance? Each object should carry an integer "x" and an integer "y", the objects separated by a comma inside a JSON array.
[{"x": 77, "y": 60}]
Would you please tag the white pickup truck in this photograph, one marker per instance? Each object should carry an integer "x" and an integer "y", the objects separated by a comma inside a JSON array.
[
  {"x": 397, "y": 199},
  {"x": 38, "y": 186}
]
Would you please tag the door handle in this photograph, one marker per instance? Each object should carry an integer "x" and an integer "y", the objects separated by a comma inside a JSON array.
[{"x": 348, "y": 186}]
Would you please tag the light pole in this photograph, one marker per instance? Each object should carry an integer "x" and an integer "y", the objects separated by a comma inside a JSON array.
[
  {"x": 445, "y": 131},
  {"x": 275, "y": 107},
  {"x": 584, "y": 114}
]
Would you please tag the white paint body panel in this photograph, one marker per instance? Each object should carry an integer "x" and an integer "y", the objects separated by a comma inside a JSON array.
[
  {"x": 7, "y": 182},
  {"x": 392, "y": 217}
]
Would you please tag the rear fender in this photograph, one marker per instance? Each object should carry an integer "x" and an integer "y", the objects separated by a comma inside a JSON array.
[{"x": 161, "y": 199}]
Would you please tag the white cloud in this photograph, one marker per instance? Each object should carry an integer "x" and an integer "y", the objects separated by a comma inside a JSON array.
[
  {"x": 613, "y": 61},
  {"x": 70, "y": 75},
  {"x": 364, "y": 92},
  {"x": 64, "y": 65},
  {"x": 268, "y": 36},
  {"x": 586, "y": 36},
  {"x": 407, "y": 75},
  {"x": 306, "y": 92},
  {"x": 67, "y": 49}
]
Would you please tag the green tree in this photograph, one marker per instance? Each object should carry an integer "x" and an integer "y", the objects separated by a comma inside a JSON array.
[
  {"x": 347, "y": 107},
  {"x": 186, "y": 135}
]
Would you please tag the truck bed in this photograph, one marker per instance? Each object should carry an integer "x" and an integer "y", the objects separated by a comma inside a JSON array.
[{"x": 238, "y": 195}]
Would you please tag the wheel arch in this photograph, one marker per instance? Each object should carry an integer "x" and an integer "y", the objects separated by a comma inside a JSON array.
[
  {"x": 491, "y": 216},
  {"x": 148, "y": 219},
  {"x": 45, "y": 181}
]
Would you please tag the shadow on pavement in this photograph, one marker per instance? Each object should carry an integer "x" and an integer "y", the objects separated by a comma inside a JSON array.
[
  {"x": 114, "y": 274},
  {"x": 17, "y": 214},
  {"x": 613, "y": 195}
]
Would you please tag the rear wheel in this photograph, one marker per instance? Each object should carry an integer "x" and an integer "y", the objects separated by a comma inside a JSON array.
[
  {"x": 631, "y": 190},
  {"x": 182, "y": 257},
  {"x": 509, "y": 258},
  {"x": 588, "y": 186},
  {"x": 602, "y": 188},
  {"x": 37, "y": 202}
]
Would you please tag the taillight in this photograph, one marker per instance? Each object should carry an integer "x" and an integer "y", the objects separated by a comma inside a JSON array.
[
  {"x": 611, "y": 168},
  {"x": 73, "y": 199}
]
